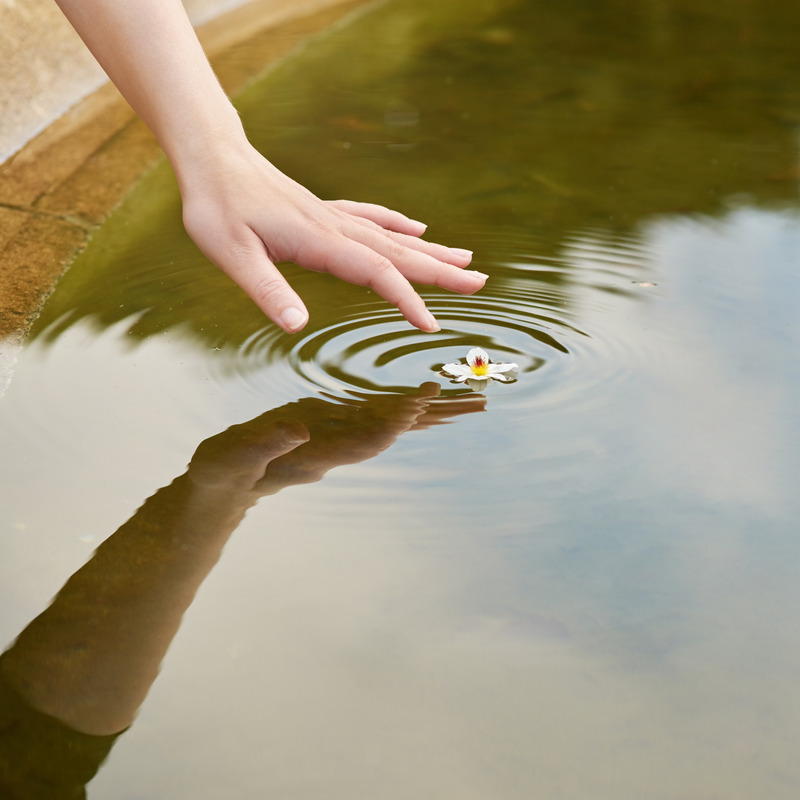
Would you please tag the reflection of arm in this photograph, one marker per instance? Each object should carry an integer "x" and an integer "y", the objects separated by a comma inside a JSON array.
[
  {"x": 77, "y": 674},
  {"x": 40, "y": 757},
  {"x": 91, "y": 657}
]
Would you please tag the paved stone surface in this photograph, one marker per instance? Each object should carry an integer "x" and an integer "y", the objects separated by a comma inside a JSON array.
[{"x": 64, "y": 182}]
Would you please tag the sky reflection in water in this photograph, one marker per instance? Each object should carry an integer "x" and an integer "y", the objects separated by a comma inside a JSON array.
[{"x": 588, "y": 590}]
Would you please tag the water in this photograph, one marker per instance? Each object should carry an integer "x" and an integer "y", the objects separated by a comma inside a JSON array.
[{"x": 584, "y": 584}]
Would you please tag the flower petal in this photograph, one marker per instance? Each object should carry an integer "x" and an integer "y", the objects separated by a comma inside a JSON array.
[
  {"x": 495, "y": 368},
  {"x": 477, "y": 356},
  {"x": 457, "y": 370}
]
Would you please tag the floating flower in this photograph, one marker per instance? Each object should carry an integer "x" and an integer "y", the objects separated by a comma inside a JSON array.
[{"x": 478, "y": 370}]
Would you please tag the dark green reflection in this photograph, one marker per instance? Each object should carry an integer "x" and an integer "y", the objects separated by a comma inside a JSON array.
[
  {"x": 77, "y": 674},
  {"x": 504, "y": 124}
]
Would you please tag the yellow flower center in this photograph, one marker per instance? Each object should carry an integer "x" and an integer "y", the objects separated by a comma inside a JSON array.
[{"x": 480, "y": 367}]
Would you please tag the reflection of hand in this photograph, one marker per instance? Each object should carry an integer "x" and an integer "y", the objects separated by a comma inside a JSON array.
[
  {"x": 245, "y": 215},
  {"x": 91, "y": 657},
  {"x": 261, "y": 457}
]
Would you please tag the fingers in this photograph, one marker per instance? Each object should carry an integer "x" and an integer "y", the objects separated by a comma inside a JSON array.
[
  {"x": 384, "y": 217},
  {"x": 424, "y": 262},
  {"x": 399, "y": 228},
  {"x": 236, "y": 458},
  {"x": 280, "y": 438},
  {"x": 253, "y": 271},
  {"x": 359, "y": 264},
  {"x": 361, "y": 254},
  {"x": 360, "y": 243},
  {"x": 418, "y": 260},
  {"x": 356, "y": 249},
  {"x": 429, "y": 390}
]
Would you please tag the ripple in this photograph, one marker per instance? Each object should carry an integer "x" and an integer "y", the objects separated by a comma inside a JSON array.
[
  {"x": 552, "y": 315},
  {"x": 375, "y": 351},
  {"x": 372, "y": 349}
]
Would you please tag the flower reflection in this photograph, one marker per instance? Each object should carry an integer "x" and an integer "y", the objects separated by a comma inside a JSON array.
[{"x": 479, "y": 370}]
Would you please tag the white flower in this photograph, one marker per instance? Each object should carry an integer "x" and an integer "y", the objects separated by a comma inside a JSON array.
[{"x": 478, "y": 370}]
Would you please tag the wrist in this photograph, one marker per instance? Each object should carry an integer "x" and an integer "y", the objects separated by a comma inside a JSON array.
[{"x": 197, "y": 148}]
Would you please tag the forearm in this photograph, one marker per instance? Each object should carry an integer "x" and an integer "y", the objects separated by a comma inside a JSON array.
[{"x": 150, "y": 51}]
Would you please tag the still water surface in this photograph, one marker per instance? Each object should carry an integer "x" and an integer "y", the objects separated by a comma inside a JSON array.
[{"x": 581, "y": 584}]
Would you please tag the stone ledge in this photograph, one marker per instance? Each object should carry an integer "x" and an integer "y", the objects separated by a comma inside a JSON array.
[{"x": 67, "y": 180}]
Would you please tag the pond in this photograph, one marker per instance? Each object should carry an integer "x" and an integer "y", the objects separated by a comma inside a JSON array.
[{"x": 373, "y": 581}]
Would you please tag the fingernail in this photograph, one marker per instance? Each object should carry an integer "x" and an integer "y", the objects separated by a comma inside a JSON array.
[
  {"x": 433, "y": 325},
  {"x": 480, "y": 274},
  {"x": 292, "y": 319},
  {"x": 457, "y": 251},
  {"x": 421, "y": 224}
]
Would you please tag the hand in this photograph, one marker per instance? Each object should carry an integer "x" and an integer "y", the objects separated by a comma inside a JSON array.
[
  {"x": 241, "y": 211},
  {"x": 245, "y": 215},
  {"x": 300, "y": 442}
]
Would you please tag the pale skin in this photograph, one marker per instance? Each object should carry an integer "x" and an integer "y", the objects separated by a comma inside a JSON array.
[{"x": 240, "y": 210}]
